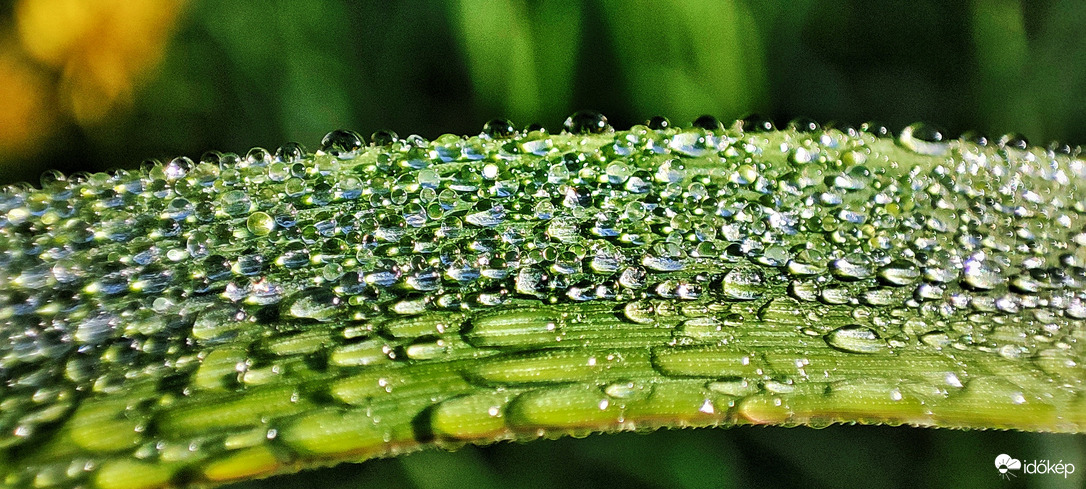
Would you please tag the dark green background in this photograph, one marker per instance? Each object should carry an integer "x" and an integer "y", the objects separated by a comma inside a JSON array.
[{"x": 242, "y": 73}]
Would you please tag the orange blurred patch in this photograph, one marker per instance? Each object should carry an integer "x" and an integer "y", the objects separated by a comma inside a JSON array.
[
  {"x": 28, "y": 112},
  {"x": 100, "y": 47}
]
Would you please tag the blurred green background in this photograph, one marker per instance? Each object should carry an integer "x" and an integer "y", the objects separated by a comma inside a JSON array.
[{"x": 96, "y": 84}]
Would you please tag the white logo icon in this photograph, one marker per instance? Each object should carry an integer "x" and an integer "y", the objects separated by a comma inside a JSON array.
[{"x": 1005, "y": 464}]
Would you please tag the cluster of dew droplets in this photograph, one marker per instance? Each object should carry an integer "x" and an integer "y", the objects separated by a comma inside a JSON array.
[{"x": 126, "y": 271}]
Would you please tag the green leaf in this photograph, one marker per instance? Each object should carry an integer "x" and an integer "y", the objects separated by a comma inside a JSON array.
[{"x": 163, "y": 331}]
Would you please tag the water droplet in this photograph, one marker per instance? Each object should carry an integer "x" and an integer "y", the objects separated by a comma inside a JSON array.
[
  {"x": 499, "y": 129},
  {"x": 923, "y": 138},
  {"x": 249, "y": 264},
  {"x": 975, "y": 137},
  {"x": 587, "y": 122},
  {"x": 628, "y": 390},
  {"x": 754, "y": 123},
  {"x": 313, "y": 303},
  {"x": 218, "y": 323},
  {"x": 708, "y": 122},
  {"x": 342, "y": 144},
  {"x": 803, "y": 124},
  {"x": 980, "y": 274},
  {"x": 744, "y": 283},
  {"x": 235, "y": 203},
  {"x": 291, "y": 153},
  {"x": 178, "y": 167},
  {"x": 899, "y": 273},
  {"x": 1014, "y": 141},
  {"x": 855, "y": 339},
  {"x": 658, "y": 123},
  {"x": 258, "y": 157},
  {"x": 704, "y": 328},
  {"x": 854, "y": 266},
  {"x": 260, "y": 223},
  {"x": 640, "y": 312}
]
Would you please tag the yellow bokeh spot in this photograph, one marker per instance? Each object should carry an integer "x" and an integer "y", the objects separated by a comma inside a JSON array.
[
  {"x": 99, "y": 47},
  {"x": 27, "y": 114}
]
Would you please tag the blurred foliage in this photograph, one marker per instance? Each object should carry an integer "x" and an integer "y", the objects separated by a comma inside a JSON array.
[
  {"x": 94, "y": 84},
  {"x": 857, "y": 457}
]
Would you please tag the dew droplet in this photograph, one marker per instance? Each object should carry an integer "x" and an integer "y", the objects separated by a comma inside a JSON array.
[
  {"x": 342, "y": 144},
  {"x": 313, "y": 303},
  {"x": 980, "y": 274},
  {"x": 803, "y": 124},
  {"x": 260, "y": 223},
  {"x": 291, "y": 153},
  {"x": 854, "y": 266},
  {"x": 755, "y": 123},
  {"x": 178, "y": 167},
  {"x": 658, "y": 123},
  {"x": 235, "y": 203},
  {"x": 854, "y": 338},
  {"x": 586, "y": 122},
  {"x": 499, "y": 129},
  {"x": 743, "y": 283},
  {"x": 924, "y": 138},
  {"x": 708, "y": 122},
  {"x": 899, "y": 273}
]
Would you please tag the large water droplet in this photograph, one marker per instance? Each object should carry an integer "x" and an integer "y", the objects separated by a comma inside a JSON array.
[{"x": 178, "y": 167}]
